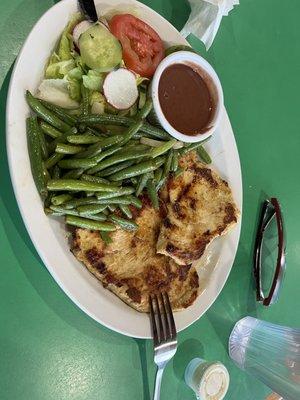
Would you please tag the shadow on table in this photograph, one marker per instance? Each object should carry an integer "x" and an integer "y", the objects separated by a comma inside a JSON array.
[{"x": 142, "y": 348}]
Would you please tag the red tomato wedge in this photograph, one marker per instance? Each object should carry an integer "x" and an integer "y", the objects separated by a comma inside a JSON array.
[{"x": 143, "y": 49}]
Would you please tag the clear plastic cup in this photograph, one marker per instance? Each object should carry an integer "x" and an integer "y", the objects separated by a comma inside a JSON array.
[{"x": 270, "y": 352}]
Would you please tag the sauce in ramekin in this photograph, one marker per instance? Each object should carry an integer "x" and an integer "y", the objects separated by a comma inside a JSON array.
[{"x": 185, "y": 99}]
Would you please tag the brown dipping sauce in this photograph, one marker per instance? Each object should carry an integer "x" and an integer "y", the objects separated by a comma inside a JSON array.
[{"x": 185, "y": 99}]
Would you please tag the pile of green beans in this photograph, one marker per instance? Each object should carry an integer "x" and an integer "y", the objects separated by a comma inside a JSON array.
[{"x": 92, "y": 178}]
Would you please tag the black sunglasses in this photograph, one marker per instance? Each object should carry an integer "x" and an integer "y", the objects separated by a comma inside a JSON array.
[{"x": 270, "y": 212}]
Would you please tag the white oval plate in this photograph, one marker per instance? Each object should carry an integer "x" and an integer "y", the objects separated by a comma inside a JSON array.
[{"x": 49, "y": 235}]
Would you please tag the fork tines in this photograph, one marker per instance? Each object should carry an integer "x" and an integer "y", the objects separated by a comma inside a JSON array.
[{"x": 162, "y": 320}]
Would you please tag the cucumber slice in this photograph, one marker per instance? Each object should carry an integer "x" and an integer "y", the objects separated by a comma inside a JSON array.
[{"x": 99, "y": 49}]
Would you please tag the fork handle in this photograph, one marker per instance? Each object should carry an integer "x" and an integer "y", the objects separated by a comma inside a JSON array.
[{"x": 158, "y": 378}]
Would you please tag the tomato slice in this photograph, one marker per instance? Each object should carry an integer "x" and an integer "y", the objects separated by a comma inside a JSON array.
[{"x": 143, "y": 49}]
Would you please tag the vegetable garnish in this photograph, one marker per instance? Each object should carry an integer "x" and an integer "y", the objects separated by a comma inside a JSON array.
[
  {"x": 92, "y": 148},
  {"x": 143, "y": 49}
]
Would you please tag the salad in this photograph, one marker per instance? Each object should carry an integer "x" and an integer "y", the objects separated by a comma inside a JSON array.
[
  {"x": 111, "y": 60},
  {"x": 94, "y": 143}
]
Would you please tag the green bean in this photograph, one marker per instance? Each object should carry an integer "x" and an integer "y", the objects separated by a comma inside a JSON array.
[
  {"x": 77, "y": 163},
  {"x": 153, "y": 119},
  {"x": 60, "y": 199},
  {"x": 158, "y": 175},
  {"x": 92, "y": 131},
  {"x": 142, "y": 96},
  {"x": 147, "y": 107},
  {"x": 167, "y": 165},
  {"x": 101, "y": 156},
  {"x": 110, "y": 119},
  {"x": 115, "y": 200},
  {"x": 193, "y": 146},
  {"x": 62, "y": 138},
  {"x": 35, "y": 155},
  {"x": 81, "y": 127},
  {"x": 158, "y": 151},
  {"x": 53, "y": 159},
  {"x": 50, "y": 130},
  {"x": 74, "y": 173},
  {"x": 124, "y": 223},
  {"x": 96, "y": 217},
  {"x": 174, "y": 163},
  {"x": 126, "y": 210},
  {"x": 63, "y": 148},
  {"x": 118, "y": 192},
  {"x": 202, "y": 153},
  {"x": 85, "y": 100},
  {"x": 134, "y": 180},
  {"x": 90, "y": 209},
  {"x": 92, "y": 178},
  {"x": 60, "y": 112},
  {"x": 105, "y": 237},
  {"x": 48, "y": 211},
  {"x": 141, "y": 183},
  {"x": 75, "y": 185},
  {"x": 59, "y": 211},
  {"x": 90, "y": 194},
  {"x": 115, "y": 168},
  {"x": 91, "y": 151},
  {"x": 135, "y": 201},
  {"x": 138, "y": 169},
  {"x": 55, "y": 172},
  {"x": 135, "y": 146},
  {"x": 131, "y": 131},
  {"x": 178, "y": 172},
  {"x": 83, "y": 139},
  {"x": 122, "y": 156},
  {"x": 112, "y": 208},
  {"x": 43, "y": 143},
  {"x": 132, "y": 110},
  {"x": 45, "y": 114},
  {"x": 79, "y": 202},
  {"x": 151, "y": 190},
  {"x": 160, "y": 183},
  {"x": 89, "y": 224},
  {"x": 103, "y": 144}
]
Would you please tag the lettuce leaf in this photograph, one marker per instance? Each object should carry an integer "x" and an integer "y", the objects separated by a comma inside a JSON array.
[
  {"x": 75, "y": 73},
  {"x": 93, "y": 80},
  {"x": 56, "y": 91},
  {"x": 97, "y": 102},
  {"x": 74, "y": 89},
  {"x": 141, "y": 79},
  {"x": 66, "y": 45},
  {"x": 59, "y": 69}
]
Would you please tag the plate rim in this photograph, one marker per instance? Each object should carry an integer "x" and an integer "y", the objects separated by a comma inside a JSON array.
[{"x": 26, "y": 222}]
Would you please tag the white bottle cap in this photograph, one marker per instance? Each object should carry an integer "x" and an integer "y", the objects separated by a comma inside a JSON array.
[{"x": 214, "y": 382}]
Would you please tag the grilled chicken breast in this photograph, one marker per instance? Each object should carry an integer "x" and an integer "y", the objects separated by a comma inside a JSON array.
[
  {"x": 130, "y": 266},
  {"x": 199, "y": 207}
]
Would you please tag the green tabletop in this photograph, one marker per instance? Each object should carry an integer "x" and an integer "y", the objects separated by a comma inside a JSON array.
[{"x": 49, "y": 349}]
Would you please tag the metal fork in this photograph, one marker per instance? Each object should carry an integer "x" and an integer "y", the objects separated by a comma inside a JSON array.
[{"x": 164, "y": 335}]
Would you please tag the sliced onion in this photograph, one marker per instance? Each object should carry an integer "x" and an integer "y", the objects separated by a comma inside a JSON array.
[
  {"x": 150, "y": 142},
  {"x": 79, "y": 29},
  {"x": 156, "y": 143},
  {"x": 120, "y": 89},
  {"x": 104, "y": 22},
  {"x": 178, "y": 145}
]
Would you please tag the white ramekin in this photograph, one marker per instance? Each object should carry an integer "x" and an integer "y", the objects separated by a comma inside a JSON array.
[{"x": 211, "y": 78}]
